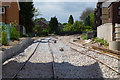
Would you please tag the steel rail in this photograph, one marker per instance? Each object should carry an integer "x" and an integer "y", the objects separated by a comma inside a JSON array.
[
  {"x": 96, "y": 60},
  {"x": 14, "y": 77},
  {"x": 90, "y": 49},
  {"x": 53, "y": 63}
]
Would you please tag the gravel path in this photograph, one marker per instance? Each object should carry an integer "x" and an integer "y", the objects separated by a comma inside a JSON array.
[
  {"x": 106, "y": 72},
  {"x": 68, "y": 63}
]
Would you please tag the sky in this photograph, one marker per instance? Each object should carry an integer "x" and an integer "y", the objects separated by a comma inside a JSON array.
[{"x": 62, "y": 10}]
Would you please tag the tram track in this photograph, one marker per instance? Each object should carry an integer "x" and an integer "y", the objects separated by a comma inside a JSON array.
[
  {"x": 53, "y": 62},
  {"x": 83, "y": 53},
  {"x": 15, "y": 76},
  {"x": 109, "y": 54}
]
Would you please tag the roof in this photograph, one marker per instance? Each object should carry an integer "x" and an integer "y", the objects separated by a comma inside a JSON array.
[
  {"x": 8, "y": 3},
  {"x": 106, "y": 4},
  {"x": 45, "y": 22},
  {"x": 5, "y": 4},
  {"x": 109, "y": 2}
]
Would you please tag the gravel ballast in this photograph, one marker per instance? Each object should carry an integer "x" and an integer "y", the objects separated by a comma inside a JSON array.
[{"x": 68, "y": 63}]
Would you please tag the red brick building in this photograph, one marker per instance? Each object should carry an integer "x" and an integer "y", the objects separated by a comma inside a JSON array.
[
  {"x": 9, "y": 12},
  {"x": 98, "y": 14},
  {"x": 43, "y": 24},
  {"x": 107, "y": 12},
  {"x": 114, "y": 12}
]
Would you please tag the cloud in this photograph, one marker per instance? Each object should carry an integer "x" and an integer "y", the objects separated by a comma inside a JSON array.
[{"x": 62, "y": 10}]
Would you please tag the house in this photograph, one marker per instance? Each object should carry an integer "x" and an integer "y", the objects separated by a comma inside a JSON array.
[
  {"x": 100, "y": 13},
  {"x": 43, "y": 24},
  {"x": 9, "y": 11},
  {"x": 114, "y": 12},
  {"x": 107, "y": 12},
  {"x": 109, "y": 29}
]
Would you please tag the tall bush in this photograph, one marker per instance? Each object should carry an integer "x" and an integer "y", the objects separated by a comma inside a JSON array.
[
  {"x": 53, "y": 25},
  {"x": 77, "y": 26},
  {"x": 4, "y": 40},
  {"x": 71, "y": 20},
  {"x": 14, "y": 33}
]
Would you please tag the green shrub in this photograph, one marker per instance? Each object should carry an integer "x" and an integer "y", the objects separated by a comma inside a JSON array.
[
  {"x": 87, "y": 28},
  {"x": 4, "y": 38},
  {"x": 25, "y": 35},
  {"x": 101, "y": 41},
  {"x": 14, "y": 34},
  {"x": 84, "y": 36}
]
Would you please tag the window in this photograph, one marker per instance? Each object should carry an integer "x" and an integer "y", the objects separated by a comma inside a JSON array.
[
  {"x": 119, "y": 11},
  {"x": 2, "y": 10}
]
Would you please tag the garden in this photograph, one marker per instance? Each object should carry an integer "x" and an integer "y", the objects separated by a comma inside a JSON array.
[{"x": 10, "y": 36}]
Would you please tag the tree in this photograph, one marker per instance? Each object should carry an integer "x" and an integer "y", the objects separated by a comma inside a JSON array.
[
  {"x": 77, "y": 26},
  {"x": 86, "y": 13},
  {"x": 71, "y": 20},
  {"x": 26, "y": 15},
  {"x": 43, "y": 19},
  {"x": 89, "y": 21},
  {"x": 39, "y": 19},
  {"x": 92, "y": 21},
  {"x": 67, "y": 27},
  {"x": 53, "y": 25},
  {"x": 36, "y": 13},
  {"x": 64, "y": 24}
]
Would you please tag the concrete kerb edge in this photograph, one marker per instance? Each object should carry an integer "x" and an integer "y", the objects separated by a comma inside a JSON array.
[{"x": 9, "y": 53}]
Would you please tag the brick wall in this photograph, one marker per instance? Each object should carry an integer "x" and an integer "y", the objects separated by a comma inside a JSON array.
[
  {"x": 12, "y": 13},
  {"x": 113, "y": 10}
]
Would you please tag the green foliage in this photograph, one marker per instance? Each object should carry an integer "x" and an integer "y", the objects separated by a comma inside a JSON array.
[
  {"x": 4, "y": 38},
  {"x": 43, "y": 19},
  {"x": 3, "y": 28},
  {"x": 40, "y": 31},
  {"x": 101, "y": 41},
  {"x": 77, "y": 26},
  {"x": 89, "y": 21},
  {"x": 92, "y": 21},
  {"x": 27, "y": 11},
  {"x": 71, "y": 20},
  {"x": 53, "y": 25},
  {"x": 14, "y": 34},
  {"x": 64, "y": 24},
  {"x": 87, "y": 28},
  {"x": 84, "y": 36},
  {"x": 25, "y": 35},
  {"x": 67, "y": 27},
  {"x": 36, "y": 12},
  {"x": 86, "y": 13}
]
